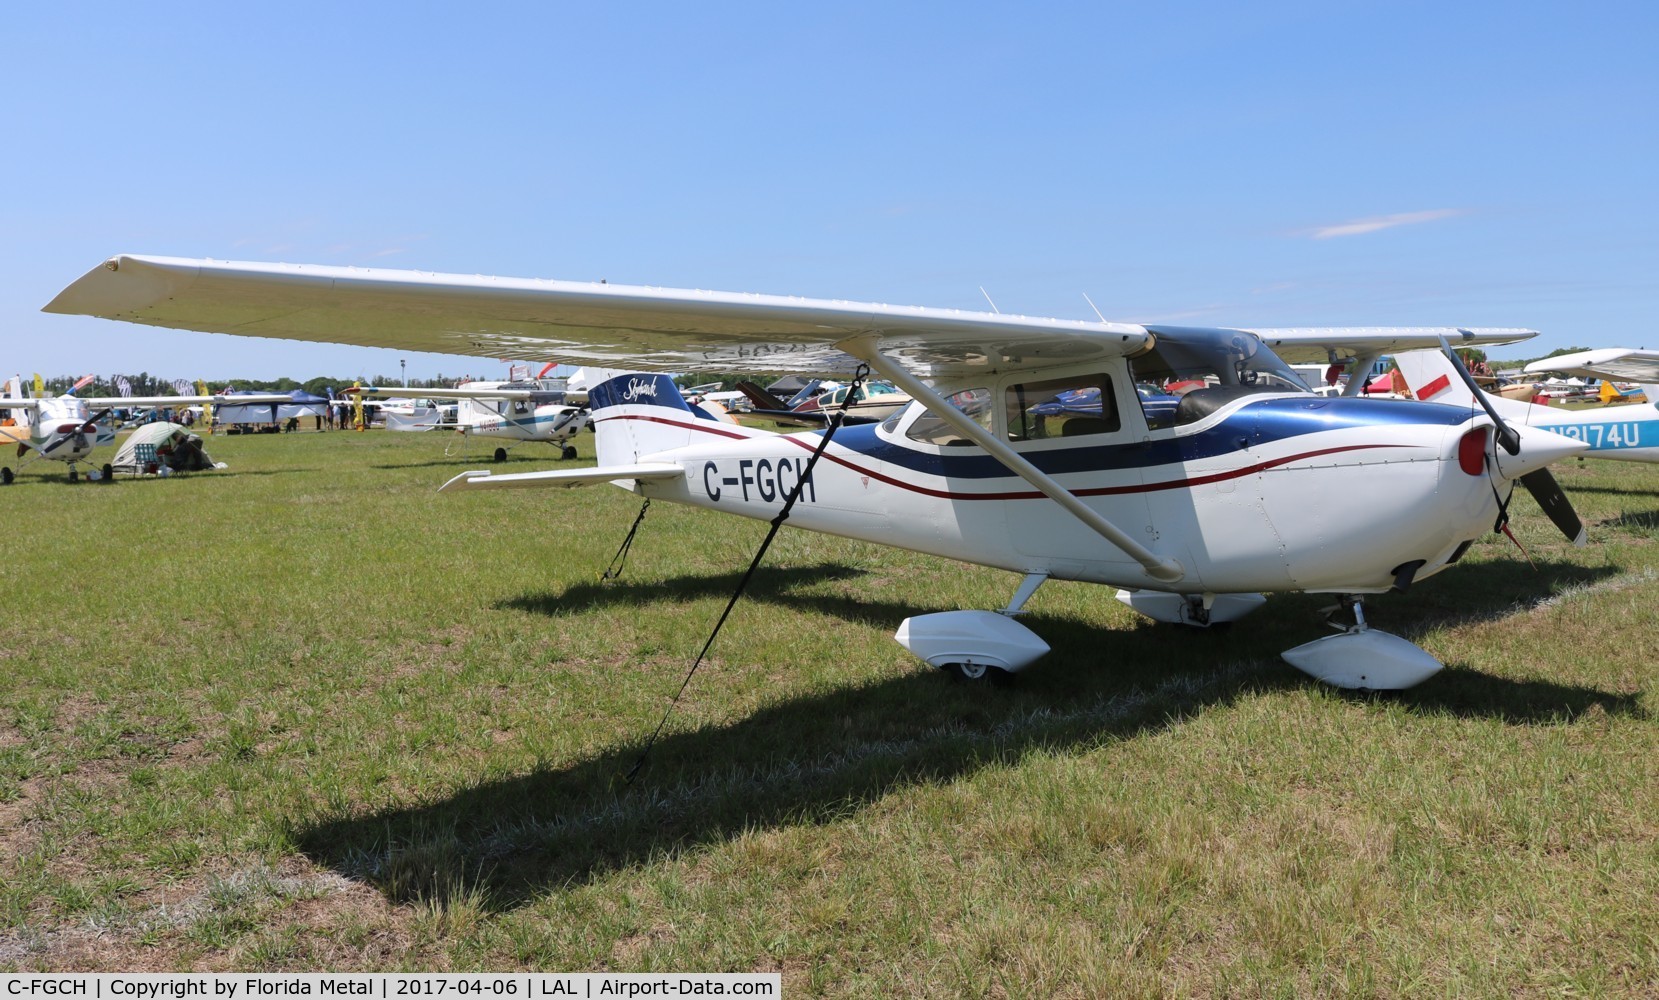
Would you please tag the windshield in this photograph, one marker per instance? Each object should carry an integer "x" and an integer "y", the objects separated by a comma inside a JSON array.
[{"x": 1209, "y": 366}]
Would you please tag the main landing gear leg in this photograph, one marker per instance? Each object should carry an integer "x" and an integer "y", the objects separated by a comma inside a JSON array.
[{"x": 1361, "y": 657}]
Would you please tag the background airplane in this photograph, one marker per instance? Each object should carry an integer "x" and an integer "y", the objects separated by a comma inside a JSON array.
[
  {"x": 1624, "y": 364},
  {"x": 1628, "y": 433},
  {"x": 1248, "y": 484},
  {"x": 872, "y": 403},
  {"x": 513, "y": 412},
  {"x": 64, "y": 428}
]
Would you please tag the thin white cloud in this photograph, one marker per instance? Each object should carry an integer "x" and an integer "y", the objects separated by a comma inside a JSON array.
[{"x": 1359, "y": 227}]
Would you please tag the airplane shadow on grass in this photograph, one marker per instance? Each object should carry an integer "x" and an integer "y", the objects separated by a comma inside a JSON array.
[{"x": 814, "y": 759}]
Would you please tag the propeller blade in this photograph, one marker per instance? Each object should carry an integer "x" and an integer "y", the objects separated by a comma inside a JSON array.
[
  {"x": 1547, "y": 492},
  {"x": 1506, "y": 436}
]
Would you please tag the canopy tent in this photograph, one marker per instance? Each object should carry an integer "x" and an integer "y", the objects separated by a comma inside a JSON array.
[
  {"x": 304, "y": 405},
  {"x": 176, "y": 448}
]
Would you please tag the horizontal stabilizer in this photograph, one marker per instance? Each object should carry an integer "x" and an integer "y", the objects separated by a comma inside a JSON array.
[{"x": 560, "y": 478}]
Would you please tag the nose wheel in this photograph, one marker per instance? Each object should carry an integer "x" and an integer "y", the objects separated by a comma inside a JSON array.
[{"x": 1362, "y": 658}]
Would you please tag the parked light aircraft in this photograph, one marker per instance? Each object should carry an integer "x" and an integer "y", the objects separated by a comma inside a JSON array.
[
  {"x": 508, "y": 411},
  {"x": 65, "y": 429},
  {"x": 1192, "y": 506},
  {"x": 1624, "y": 364},
  {"x": 872, "y": 403},
  {"x": 1628, "y": 433}
]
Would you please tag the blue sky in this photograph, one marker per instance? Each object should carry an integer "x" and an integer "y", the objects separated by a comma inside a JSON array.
[{"x": 1228, "y": 164}]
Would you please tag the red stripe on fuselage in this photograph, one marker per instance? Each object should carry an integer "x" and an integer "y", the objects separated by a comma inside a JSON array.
[{"x": 699, "y": 426}]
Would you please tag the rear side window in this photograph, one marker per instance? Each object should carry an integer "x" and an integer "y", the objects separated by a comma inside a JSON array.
[{"x": 1073, "y": 406}]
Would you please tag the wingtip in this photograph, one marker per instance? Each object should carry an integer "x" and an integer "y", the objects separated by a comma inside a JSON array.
[{"x": 464, "y": 480}]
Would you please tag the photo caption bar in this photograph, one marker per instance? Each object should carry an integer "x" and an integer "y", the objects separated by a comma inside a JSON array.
[{"x": 386, "y": 985}]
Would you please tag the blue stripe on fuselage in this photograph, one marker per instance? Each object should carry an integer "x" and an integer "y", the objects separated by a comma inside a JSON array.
[{"x": 1256, "y": 423}]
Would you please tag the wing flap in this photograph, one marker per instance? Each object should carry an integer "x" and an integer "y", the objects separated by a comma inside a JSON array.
[{"x": 482, "y": 479}]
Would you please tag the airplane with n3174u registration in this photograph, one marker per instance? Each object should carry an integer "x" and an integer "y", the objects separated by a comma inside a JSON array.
[
  {"x": 1626, "y": 433},
  {"x": 1189, "y": 468}
]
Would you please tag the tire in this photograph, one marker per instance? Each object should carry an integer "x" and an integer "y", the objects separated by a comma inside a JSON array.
[
  {"x": 501, "y": 455},
  {"x": 74, "y": 474},
  {"x": 109, "y": 473},
  {"x": 6, "y": 476},
  {"x": 568, "y": 452},
  {"x": 978, "y": 674}
]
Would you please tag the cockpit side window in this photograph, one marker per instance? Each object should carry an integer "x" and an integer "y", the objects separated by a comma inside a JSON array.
[
  {"x": 1061, "y": 407},
  {"x": 1185, "y": 376},
  {"x": 929, "y": 428}
]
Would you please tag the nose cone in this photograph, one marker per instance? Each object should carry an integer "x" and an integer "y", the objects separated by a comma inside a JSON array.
[{"x": 1539, "y": 448}]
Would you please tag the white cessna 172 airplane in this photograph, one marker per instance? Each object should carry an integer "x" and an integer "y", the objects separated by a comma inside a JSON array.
[
  {"x": 1626, "y": 433},
  {"x": 508, "y": 411},
  {"x": 1046, "y": 447},
  {"x": 64, "y": 428}
]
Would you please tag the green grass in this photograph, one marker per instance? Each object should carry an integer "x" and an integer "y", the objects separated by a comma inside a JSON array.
[{"x": 305, "y": 713}]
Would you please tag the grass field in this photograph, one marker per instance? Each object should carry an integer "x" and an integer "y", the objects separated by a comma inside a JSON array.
[{"x": 307, "y": 714}]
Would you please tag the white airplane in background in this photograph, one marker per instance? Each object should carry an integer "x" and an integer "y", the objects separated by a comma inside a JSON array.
[
  {"x": 1621, "y": 364},
  {"x": 1626, "y": 433},
  {"x": 1193, "y": 506},
  {"x": 507, "y": 411},
  {"x": 64, "y": 428}
]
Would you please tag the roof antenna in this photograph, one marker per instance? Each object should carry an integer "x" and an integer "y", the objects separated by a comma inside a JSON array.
[
  {"x": 987, "y": 295},
  {"x": 1093, "y": 306}
]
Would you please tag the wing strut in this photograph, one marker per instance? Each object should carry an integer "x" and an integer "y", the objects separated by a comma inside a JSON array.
[
  {"x": 1158, "y": 567},
  {"x": 1359, "y": 370}
]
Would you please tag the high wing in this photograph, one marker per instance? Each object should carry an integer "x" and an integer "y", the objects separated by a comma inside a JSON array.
[
  {"x": 135, "y": 402},
  {"x": 404, "y": 392},
  {"x": 1321, "y": 345},
  {"x": 119, "y": 402},
  {"x": 634, "y": 327},
  {"x": 1621, "y": 363}
]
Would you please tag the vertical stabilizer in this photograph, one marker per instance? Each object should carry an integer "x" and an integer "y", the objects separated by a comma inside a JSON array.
[
  {"x": 637, "y": 414},
  {"x": 22, "y": 416},
  {"x": 1432, "y": 378}
]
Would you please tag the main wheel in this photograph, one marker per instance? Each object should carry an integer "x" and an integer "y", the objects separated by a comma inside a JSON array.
[
  {"x": 501, "y": 454},
  {"x": 109, "y": 473},
  {"x": 6, "y": 476},
  {"x": 74, "y": 475},
  {"x": 978, "y": 673},
  {"x": 568, "y": 452}
]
